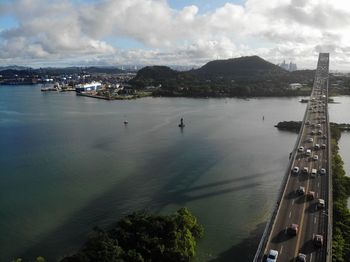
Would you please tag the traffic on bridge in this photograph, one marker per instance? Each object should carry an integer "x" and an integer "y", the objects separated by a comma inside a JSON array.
[{"x": 298, "y": 229}]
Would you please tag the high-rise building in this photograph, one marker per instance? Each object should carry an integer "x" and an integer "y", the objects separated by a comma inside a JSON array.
[{"x": 289, "y": 67}]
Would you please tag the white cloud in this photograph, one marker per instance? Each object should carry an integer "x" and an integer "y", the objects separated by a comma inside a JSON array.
[{"x": 275, "y": 29}]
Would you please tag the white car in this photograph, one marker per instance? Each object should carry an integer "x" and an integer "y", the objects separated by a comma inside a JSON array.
[
  {"x": 301, "y": 149},
  {"x": 272, "y": 256},
  {"x": 323, "y": 171},
  {"x": 310, "y": 140},
  {"x": 315, "y": 157}
]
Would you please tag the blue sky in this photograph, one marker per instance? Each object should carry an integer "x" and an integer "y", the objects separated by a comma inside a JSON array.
[
  {"x": 204, "y": 5},
  {"x": 183, "y": 32}
]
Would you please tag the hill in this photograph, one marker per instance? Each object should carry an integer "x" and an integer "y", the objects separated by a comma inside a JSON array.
[
  {"x": 243, "y": 76},
  {"x": 239, "y": 67}
]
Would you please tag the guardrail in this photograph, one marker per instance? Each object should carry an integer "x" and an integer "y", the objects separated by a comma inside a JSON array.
[
  {"x": 271, "y": 222},
  {"x": 330, "y": 191}
]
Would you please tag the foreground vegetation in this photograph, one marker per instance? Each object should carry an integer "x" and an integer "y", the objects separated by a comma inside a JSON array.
[
  {"x": 143, "y": 237},
  {"x": 341, "y": 193}
]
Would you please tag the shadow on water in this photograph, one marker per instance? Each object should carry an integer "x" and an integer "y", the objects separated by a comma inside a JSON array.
[
  {"x": 137, "y": 192},
  {"x": 245, "y": 250}
]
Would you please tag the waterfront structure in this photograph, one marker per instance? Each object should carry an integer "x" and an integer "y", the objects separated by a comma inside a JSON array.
[
  {"x": 93, "y": 86},
  {"x": 295, "y": 86}
]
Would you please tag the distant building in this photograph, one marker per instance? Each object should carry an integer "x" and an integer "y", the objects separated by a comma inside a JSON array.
[
  {"x": 295, "y": 86},
  {"x": 289, "y": 67},
  {"x": 93, "y": 86}
]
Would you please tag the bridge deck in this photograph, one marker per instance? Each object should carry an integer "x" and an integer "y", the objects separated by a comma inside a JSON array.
[{"x": 299, "y": 209}]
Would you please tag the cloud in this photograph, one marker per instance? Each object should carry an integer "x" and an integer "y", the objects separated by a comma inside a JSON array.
[{"x": 77, "y": 32}]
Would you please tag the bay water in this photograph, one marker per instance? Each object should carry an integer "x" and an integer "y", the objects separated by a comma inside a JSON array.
[{"x": 69, "y": 163}]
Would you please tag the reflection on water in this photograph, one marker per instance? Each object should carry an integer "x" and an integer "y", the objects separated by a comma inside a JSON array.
[{"x": 69, "y": 163}]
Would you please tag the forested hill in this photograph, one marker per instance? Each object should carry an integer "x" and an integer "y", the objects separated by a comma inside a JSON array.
[
  {"x": 243, "y": 76},
  {"x": 239, "y": 67}
]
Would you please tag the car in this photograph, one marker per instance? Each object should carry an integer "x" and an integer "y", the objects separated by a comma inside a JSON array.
[
  {"x": 313, "y": 172},
  {"x": 301, "y": 190},
  {"x": 272, "y": 256},
  {"x": 315, "y": 157},
  {"x": 305, "y": 170},
  {"x": 307, "y": 122},
  {"x": 301, "y": 149},
  {"x": 301, "y": 257},
  {"x": 295, "y": 170},
  {"x": 323, "y": 146},
  {"x": 320, "y": 203},
  {"x": 292, "y": 230},
  {"x": 324, "y": 136},
  {"x": 310, "y": 140},
  {"x": 310, "y": 195},
  {"x": 308, "y": 152},
  {"x": 318, "y": 125},
  {"x": 319, "y": 132},
  {"x": 312, "y": 132},
  {"x": 323, "y": 171},
  {"x": 317, "y": 146},
  {"x": 318, "y": 240}
]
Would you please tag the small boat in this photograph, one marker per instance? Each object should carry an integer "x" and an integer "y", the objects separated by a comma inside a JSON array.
[
  {"x": 182, "y": 125},
  {"x": 126, "y": 122}
]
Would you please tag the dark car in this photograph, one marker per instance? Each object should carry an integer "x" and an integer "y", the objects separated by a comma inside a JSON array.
[
  {"x": 301, "y": 257},
  {"x": 301, "y": 190},
  {"x": 293, "y": 230},
  {"x": 318, "y": 240}
]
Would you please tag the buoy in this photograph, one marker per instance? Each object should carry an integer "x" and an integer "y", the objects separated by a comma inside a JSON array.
[{"x": 182, "y": 123}]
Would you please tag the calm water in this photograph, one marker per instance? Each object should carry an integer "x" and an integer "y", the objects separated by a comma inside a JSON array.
[{"x": 68, "y": 163}]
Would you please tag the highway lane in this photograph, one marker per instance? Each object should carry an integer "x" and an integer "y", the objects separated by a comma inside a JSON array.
[{"x": 298, "y": 209}]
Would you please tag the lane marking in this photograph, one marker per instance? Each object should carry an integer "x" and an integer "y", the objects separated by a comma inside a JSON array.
[
  {"x": 293, "y": 202},
  {"x": 281, "y": 249},
  {"x": 297, "y": 247},
  {"x": 311, "y": 257},
  {"x": 290, "y": 213},
  {"x": 314, "y": 220}
]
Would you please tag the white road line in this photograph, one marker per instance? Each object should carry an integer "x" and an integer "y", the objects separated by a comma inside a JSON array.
[
  {"x": 311, "y": 257},
  {"x": 318, "y": 184},
  {"x": 314, "y": 220},
  {"x": 290, "y": 214},
  {"x": 281, "y": 249},
  {"x": 293, "y": 202}
]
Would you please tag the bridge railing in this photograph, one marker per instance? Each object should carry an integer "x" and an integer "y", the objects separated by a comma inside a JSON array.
[{"x": 330, "y": 187}]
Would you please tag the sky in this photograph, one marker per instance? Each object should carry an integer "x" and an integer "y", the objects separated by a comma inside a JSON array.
[{"x": 172, "y": 32}]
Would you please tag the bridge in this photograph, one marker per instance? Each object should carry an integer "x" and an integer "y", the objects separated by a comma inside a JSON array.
[{"x": 300, "y": 226}]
